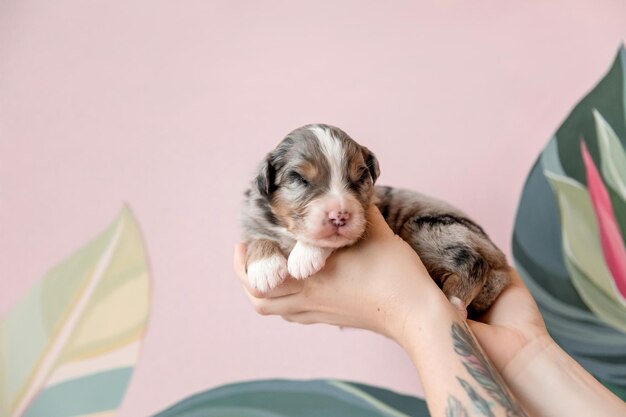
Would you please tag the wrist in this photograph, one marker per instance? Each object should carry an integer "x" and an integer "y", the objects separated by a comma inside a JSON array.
[
  {"x": 538, "y": 351},
  {"x": 543, "y": 372},
  {"x": 416, "y": 315}
]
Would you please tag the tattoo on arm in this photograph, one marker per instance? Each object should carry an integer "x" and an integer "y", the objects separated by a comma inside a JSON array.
[
  {"x": 479, "y": 402},
  {"x": 455, "y": 408},
  {"x": 481, "y": 369}
]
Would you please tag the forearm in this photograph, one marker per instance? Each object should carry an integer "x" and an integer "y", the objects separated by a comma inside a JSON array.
[
  {"x": 458, "y": 379},
  {"x": 550, "y": 383}
]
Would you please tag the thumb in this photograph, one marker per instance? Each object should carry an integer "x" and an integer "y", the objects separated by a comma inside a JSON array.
[{"x": 377, "y": 227}]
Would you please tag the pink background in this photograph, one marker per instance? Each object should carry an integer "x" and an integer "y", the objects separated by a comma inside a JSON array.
[{"x": 170, "y": 105}]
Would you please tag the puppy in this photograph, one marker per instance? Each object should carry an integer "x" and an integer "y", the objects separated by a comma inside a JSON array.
[{"x": 310, "y": 197}]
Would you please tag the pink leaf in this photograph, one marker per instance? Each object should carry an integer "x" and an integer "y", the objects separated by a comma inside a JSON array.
[{"x": 610, "y": 237}]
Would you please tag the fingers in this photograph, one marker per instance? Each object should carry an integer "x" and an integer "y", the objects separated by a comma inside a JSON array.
[
  {"x": 377, "y": 226},
  {"x": 311, "y": 317},
  {"x": 514, "y": 305},
  {"x": 516, "y": 290},
  {"x": 288, "y": 287},
  {"x": 516, "y": 280},
  {"x": 280, "y": 306}
]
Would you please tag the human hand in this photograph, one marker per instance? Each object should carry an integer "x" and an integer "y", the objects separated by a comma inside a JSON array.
[
  {"x": 380, "y": 284},
  {"x": 512, "y": 324},
  {"x": 375, "y": 284}
]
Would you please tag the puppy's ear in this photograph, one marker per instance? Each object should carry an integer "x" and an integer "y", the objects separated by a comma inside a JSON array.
[
  {"x": 371, "y": 162},
  {"x": 266, "y": 176}
]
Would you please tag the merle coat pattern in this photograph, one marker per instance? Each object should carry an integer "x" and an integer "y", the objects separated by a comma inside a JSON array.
[{"x": 297, "y": 177}]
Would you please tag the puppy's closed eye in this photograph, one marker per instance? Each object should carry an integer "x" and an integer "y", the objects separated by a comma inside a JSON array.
[
  {"x": 295, "y": 178},
  {"x": 364, "y": 175},
  {"x": 360, "y": 179}
]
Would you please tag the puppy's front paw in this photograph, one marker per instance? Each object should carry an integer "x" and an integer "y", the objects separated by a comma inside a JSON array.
[
  {"x": 267, "y": 273},
  {"x": 306, "y": 260}
]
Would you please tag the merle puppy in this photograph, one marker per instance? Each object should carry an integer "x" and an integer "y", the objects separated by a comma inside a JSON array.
[{"x": 310, "y": 197}]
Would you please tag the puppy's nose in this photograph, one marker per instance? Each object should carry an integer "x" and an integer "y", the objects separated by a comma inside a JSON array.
[{"x": 338, "y": 218}]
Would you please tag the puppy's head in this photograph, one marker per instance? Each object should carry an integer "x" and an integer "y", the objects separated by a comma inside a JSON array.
[{"x": 319, "y": 183}]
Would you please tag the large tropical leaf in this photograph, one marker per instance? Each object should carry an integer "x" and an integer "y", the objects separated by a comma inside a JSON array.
[
  {"x": 68, "y": 348},
  {"x": 584, "y": 257},
  {"x": 608, "y": 98},
  {"x": 612, "y": 155},
  {"x": 568, "y": 241},
  {"x": 283, "y": 398},
  {"x": 613, "y": 247}
]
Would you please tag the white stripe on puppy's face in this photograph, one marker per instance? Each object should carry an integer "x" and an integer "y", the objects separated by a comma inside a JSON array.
[
  {"x": 322, "y": 186},
  {"x": 335, "y": 155},
  {"x": 336, "y": 201}
]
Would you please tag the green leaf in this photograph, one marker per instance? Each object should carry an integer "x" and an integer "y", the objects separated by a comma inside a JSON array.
[
  {"x": 538, "y": 249},
  {"x": 612, "y": 155},
  {"x": 608, "y": 97},
  {"x": 583, "y": 252},
  {"x": 281, "y": 398},
  {"x": 69, "y": 346},
  {"x": 611, "y": 312}
]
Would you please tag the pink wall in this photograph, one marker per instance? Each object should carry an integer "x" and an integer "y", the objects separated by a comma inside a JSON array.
[{"x": 170, "y": 105}]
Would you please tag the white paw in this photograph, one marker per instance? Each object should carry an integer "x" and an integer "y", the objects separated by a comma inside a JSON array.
[
  {"x": 305, "y": 260},
  {"x": 267, "y": 273}
]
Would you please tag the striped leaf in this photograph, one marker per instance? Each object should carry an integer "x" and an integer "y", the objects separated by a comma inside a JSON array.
[
  {"x": 583, "y": 252},
  {"x": 614, "y": 169},
  {"x": 569, "y": 223},
  {"x": 612, "y": 154},
  {"x": 68, "y": 348}
]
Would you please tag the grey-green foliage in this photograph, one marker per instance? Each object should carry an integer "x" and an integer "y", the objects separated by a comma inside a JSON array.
[
  {"x": 537, "y": 237},
  {"x": 285, "y": 398}
]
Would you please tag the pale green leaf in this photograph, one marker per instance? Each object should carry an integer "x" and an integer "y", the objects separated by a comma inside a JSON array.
[
  {"x": 612, "y": 154},
  {"x": 611, "y": 312},
  {"x": 583, "y": 251},
  {"x": 81, "y": 324}
]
